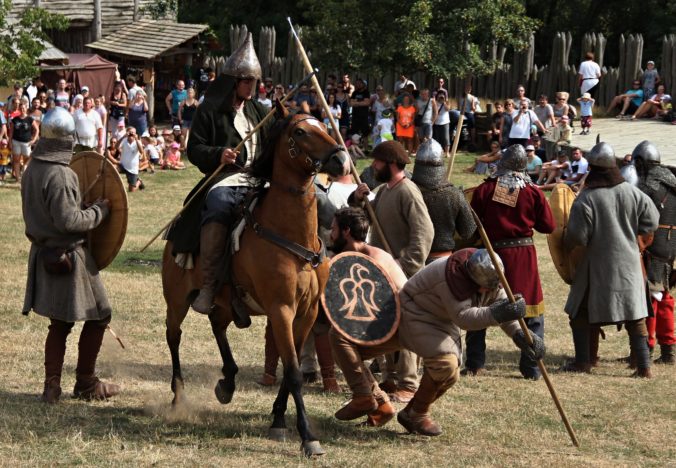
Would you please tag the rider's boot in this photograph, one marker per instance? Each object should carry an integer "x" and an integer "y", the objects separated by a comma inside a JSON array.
[{"x": 213, "y": 241}]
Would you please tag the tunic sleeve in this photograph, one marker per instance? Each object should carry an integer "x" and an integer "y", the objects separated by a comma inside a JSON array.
[
  {"x": 544, "y": 219},
  {"x": 421, "y": 232},
  {"x": 648, "y": 214},
  {"x": 580, "y": 226},
  {"x": 63, "y": 203}
]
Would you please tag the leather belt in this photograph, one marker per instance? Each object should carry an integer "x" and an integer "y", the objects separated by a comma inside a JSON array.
[
  {"x": 515, "y": 242},
  {"x": 667, "y": 226}
]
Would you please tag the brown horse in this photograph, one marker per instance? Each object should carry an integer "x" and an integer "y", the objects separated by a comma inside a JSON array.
[{"x": 285, "y": 286}]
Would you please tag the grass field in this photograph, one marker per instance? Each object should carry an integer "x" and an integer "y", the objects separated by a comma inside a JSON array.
[{"x": 498, "y": 419}]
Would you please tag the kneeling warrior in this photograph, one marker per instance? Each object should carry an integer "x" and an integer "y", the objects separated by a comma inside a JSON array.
[
  {"x": 63, "y": 281},
  {"x": 659, "y": 184},
  {"x": 227, "y": 115}
]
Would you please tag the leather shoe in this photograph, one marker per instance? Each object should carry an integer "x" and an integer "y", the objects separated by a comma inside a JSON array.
[
  {"x": 381, "y": 416},
  {"x": 95, "y": 390},
  {"x": 357, "y": 407},
  {"x": 577, "y": 367},
  {"x": 401, "y": 396},
  {"x": 418, "y": 423},
  {"x": 643, "y": 373},
  {"x": 388, "y": 386},
  {"x": 468, "y": 371}
]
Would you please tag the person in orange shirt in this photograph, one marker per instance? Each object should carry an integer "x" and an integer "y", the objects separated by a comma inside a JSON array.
[{"x": 405, "y": 128}]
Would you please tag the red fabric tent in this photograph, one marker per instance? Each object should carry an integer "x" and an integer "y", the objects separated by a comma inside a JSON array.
[{"x": 90, "y": 70}]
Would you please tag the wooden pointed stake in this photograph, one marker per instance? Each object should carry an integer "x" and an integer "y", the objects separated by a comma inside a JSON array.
[
  {"x": 115, "y": 336},
  {"x": 456, "y": 140},
  {"x": 524, "y": 327}
]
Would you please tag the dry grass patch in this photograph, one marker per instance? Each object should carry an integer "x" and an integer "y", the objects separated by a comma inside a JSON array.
[{"x": 498, "y": 419}]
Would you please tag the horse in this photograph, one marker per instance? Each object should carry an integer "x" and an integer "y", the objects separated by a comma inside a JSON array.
[{"x": 284, "y": 285}]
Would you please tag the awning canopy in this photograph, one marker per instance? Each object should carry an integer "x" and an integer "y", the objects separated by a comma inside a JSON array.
[{"x": 146, "y": 39}]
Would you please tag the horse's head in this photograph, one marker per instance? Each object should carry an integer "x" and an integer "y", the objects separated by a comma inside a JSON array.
[{"x": 310, "y": 148}]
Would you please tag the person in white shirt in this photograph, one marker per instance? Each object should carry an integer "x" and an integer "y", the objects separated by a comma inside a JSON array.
[
  {"x": 523, "y": 120},
  {"x": 88, "y": 128},
  {"x": 130, "y": 154},
  {"x": 133, "y": 88},
  {"x": 400, "y": 85},
  {"x": 589, "y": 74}
]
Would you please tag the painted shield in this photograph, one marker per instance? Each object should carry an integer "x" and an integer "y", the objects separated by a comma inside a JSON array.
[
  {"x": 98, "y": 178},
  {"x": 360, "y": 299},
  {"x": 565, "y": 261},
  {"x": 475, "y": 240}
]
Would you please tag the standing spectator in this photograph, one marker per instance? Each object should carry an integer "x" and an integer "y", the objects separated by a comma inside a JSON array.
[
  {"x": 132, "y": 88},
  {"x": 3, "y": 121},
  {"x": 630, "y": 100},
  {"x": 440, "y": 89},
  {"x": 343, "y": 99},
  {"x": 401, "y": 85},
  {"x": 650, "y": 79},
  {"x": 336, "y": 112},
  {"x": 471, "y": 105},
  {"x": 174, "y": 100},
  {"x": 24, "y": 132},
  {"x": 186, "y": 112},
  {"x": 36, "y": 111},
  {"x": 5, "y": 159},
  {"x": 100, "y": 108},
  {"x": 655, "y": 106},
  {"x": 496, "y": 120},
  {"x": 84, "y": 92},
  {"x": 88, "y": 128},
  {"x": 441, "y": 127},
  {"x": 360, "y": 101},
  {"x": 62, "y": 95},
  {"x": 17, "y": 92},
  {"x": 262, "y": 97},
  {"x": 521, "y": 95},
  {"x": 78, "y": 101},
  {"x": 118, "y": 105},
  {"x": 523, "y": 121},
  {"x": 405, "y": 128},
  {"x": 43, "y": 101},
  {"x": 589, "y": 75},
  {"x": 137, "y": 112},
  {"x": 131, "y": 150},
  {"x": 586, "y": 105},
  {"x": 427, "y": 113},
  {"x": 384, "y": 128},
  {"x": 347, "y": 84},
  {"x": 545, "y": 113},
  {"x": 33, "y": 88},
  {"x": 379, "y": 103},
  {"x": 315, "y": 110}
]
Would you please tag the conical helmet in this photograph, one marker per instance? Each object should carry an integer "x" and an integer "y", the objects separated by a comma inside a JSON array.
[
  {"x": 481, "y": 269},
  {"x": 57, "y": 123},
  {"x": 646, "y": 151},
  {"x": 243, "y": 63},
  {"x": 602, "y": 155},
  {"x": 429, "y": 169},
  {"x": 513, "y": 159}
]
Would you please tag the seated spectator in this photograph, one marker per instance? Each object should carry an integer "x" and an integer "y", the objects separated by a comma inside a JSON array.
[
  {"x": 655, "y": 106},
  {"x": 561, "y": 106},
  {"x": 172, "y": 158},
  {"x": 177, "y": 133},
  {"x": 534, "y": 165},
  {"x": 629, "y": 102},
  {"x": 353, "y": 147},
  {"x": 539, "y": 151},
  {"x": 563, "y": 132},
  {"x": 486, "y": 163},
  {"x": 150, "y": 151},
  {"x": 112, "y": 152},
  {"x": 552, "y": 171},
  {"x": 570, "y": 173}
]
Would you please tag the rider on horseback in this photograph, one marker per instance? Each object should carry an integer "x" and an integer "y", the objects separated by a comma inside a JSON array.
[{"x": 223, "y": 120}]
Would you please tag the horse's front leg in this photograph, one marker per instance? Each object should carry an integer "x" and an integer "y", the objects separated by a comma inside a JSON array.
[{"x": 225, "y": 387}]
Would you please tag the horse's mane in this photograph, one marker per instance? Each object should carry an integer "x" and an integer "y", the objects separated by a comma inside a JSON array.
[{"x": 261, "y": 168}]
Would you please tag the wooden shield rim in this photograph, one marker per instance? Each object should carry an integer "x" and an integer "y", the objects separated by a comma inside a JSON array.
[
  {"x": 397, "y": 318},
  {"x": 102, "y": 261},
  {"x": 562, "y": 267}
]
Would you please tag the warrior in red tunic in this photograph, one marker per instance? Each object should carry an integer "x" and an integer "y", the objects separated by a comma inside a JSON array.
[{"x": 510, "y": 207}]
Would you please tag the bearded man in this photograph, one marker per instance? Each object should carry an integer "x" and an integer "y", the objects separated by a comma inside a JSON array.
[
  {"x": 446, "y": 204},
  {"x": 226, "y": 116},
  {"x": 659, "y": 184},
  {"x": 608, "y": 217},
  {"x": 63, "y": 281},
  {"x": 511, "y": 207},
  {"x": 409, "y": 231}
]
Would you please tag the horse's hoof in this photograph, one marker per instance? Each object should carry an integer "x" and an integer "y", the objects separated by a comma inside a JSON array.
[
  {"x": 279, "y": 434},
  {"x": 224, "y": 392},
  {"x": 179, "y": 400},
  {"x": 312, "y": 448}
]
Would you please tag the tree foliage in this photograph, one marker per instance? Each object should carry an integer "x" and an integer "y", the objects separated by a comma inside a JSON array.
[{"x": 22, "y": 41}]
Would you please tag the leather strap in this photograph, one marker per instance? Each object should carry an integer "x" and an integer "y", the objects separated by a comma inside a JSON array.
[{"x": 515, "y": 242}]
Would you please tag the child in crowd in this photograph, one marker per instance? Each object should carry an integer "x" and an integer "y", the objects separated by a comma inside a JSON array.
[
  {"x": 150, "y": 151},
  {"x": 385, "y": 127},
  {"x": 4, "y": 159},
  {"x": 586, "y": 105},
  {"x": 354, "y": 149},
  {"x": 564, "y": 131},
  {"x": 172, "y": 158},
  {"x": 121, "y": 131},
  {"x": 650, "y": 79}
]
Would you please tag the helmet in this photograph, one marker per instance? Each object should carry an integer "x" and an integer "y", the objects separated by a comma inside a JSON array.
[
  {"x": 602, "y": 155},
  {"x": 243, "y": 63},
  {"x": 429, "y": 169},
  {"x": 57, "y": 123},
  {"x": 646, "y": 151},
  {"x": 480, "y": 268},
  {"x": 513, "y": 159}
]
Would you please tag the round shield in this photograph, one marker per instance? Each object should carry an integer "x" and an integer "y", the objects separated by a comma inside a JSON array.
[
  {"x": 360, "y": 299},
  {"x": 98, "y": 178},
  {"x": 565, "y": 261}
]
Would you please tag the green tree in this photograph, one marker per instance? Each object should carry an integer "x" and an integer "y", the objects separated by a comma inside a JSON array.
[{"x": 22, "y": 40}]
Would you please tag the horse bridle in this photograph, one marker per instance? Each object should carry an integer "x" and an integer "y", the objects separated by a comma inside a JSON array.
[{"x": 294, "y": 152}]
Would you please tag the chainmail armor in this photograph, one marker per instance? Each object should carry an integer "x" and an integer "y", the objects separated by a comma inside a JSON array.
[{"x": 449, "y": 211}]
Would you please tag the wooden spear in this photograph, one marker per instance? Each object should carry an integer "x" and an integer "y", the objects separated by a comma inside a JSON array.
[
  {"x": 456, "y": 139},
  {"x": 524, "y": 327},
  {"x": 311, "y": 74},
  {"x": 325, "y": 106}
]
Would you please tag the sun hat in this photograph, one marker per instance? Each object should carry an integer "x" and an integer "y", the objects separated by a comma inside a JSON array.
[
  {"x": 176, "y": 127},
  {"x": 586, "y": 96},
  {"x": 530, "y": 148},
  {"x": 175, "y": 145}
]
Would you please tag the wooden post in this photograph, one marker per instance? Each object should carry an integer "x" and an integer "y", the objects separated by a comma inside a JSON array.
[
  {"x": 149, "y": 79},
  {"x": 136, "y": 8},
  {"x": 97, "y": 24}
]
